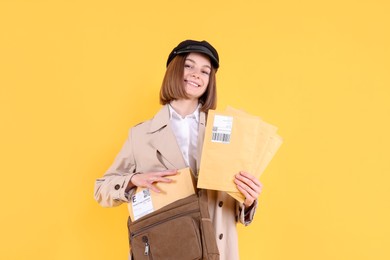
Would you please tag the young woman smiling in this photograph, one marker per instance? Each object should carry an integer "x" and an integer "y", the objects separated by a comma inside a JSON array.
[{"x": 173, "y": 139}]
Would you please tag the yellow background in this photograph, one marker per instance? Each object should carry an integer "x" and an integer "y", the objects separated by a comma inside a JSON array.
[{"x": 75, "y": 75}]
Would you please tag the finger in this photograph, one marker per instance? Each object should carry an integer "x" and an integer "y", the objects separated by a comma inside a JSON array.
[
  {"x": 252, "y": 190},
  {"x": 167, "y": 173},
  {"x": 251, "y": 177},
  {"x": 153, "y": 188},
  {"x": 243, "y": 190},
  {"x": 248, "y": 185},
  {"x": 248, "y": 198},
  {"x": 162, "y": 179},
  {"x": 247, "y": 178}
]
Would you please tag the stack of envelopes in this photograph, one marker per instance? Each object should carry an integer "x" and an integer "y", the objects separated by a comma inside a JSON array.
[
  {"x": 145, "y": 201},
  {"x": 235, "y": 141}
]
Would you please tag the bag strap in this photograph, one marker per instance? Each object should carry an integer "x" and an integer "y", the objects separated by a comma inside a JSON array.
[
  {"x": 209, "y": 242},
  {"x": 203, "y": 203}
]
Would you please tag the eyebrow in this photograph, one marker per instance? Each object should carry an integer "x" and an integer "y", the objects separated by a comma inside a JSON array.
[{"x": 195, "y": 63}]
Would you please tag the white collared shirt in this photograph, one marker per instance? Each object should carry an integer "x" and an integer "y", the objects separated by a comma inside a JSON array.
[{"x": 186, "y": 132}]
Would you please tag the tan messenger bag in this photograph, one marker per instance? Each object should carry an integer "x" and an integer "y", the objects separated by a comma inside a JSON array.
[{"x": 179, "y": 231}]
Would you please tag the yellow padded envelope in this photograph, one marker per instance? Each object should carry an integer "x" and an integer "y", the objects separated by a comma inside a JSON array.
[
  {"x": 145, "y": 201},
  {"x": 268, "y": 143},
  {"x": 254, "y": 146},
  {"x": 273, "y": 145},
  {"x": 229, "y": 147}
]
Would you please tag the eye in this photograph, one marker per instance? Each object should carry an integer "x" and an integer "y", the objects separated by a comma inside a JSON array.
[
  {"x": 206, "y": 72},
  {"x": 188, "y": 66}
]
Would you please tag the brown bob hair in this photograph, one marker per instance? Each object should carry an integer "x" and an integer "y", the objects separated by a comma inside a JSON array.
[{"x": 172, "y": 85}]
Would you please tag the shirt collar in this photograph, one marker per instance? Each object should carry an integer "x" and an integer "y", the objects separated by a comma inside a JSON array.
[{"x": 174, "y": 115}]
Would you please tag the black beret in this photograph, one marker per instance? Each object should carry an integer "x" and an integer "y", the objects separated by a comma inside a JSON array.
[{"x": 195, "y": 46}]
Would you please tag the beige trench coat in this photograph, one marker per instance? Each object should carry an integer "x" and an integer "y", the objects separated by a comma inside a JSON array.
[{"x": 152, "y": 146}]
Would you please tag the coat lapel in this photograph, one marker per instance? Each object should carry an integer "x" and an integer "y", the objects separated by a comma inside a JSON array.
[
  {"x": 164, "y": 140},
  {"x": 202, "y": 127}
]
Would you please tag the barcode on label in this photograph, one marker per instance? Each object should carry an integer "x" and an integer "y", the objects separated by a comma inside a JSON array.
[
  {"x": 222, "y": 129},
  {"x": 224, "y": 138}
]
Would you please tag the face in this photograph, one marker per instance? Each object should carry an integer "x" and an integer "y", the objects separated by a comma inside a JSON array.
[{"x": 197, "y": 68}]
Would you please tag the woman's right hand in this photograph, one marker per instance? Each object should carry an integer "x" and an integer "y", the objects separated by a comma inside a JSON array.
[{"x": 146, "y": 180}]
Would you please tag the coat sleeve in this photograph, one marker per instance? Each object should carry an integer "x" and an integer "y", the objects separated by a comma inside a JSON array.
[
  {"x": 246, "y": 216},
  {"x": 110, "y": 190}
]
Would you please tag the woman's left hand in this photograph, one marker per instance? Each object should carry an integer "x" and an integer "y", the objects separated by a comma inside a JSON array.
[{"x": 249, "y": 186}]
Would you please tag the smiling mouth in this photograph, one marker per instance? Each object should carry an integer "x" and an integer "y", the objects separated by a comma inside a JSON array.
[{"x": 192, "y": 83}]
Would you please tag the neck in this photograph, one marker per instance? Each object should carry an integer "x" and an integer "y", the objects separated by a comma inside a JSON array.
[{"x": 184, "y": 107}]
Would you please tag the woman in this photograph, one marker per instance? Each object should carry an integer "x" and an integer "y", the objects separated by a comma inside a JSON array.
[{"x": 173, "y": 140}]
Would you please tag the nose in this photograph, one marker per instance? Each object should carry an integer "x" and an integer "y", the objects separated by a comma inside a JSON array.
[{"x": 195, "y": 75}]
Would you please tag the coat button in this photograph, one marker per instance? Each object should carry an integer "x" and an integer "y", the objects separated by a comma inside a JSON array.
[
  {"x": 117, "y": 187},
  {"x": 220, "y": 204},
  {"x": 220, "y": 236}
]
